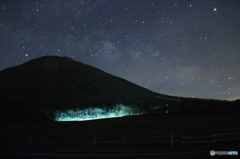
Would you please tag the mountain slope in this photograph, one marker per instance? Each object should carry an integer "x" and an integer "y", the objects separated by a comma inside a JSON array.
[{"x": 51, "y": 82}]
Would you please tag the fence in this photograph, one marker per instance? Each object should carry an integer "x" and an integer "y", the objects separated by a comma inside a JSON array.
[{"x": 131, "y": 138}]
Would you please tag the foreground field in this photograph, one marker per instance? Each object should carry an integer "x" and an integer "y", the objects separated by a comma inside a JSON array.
[{"x": 170, "y": 133}]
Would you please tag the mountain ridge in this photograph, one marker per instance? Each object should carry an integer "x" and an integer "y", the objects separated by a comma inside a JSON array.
[
  {"x": 53, "y": 83},
  {"x": 38, "y": 88}
]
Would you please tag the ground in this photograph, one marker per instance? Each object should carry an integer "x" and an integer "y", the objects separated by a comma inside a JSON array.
[{"x": 141, "y": 134}]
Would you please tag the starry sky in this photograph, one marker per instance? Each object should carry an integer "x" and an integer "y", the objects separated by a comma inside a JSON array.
[{"x": 187, "y": 48}]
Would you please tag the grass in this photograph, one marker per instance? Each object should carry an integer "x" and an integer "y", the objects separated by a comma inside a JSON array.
[
  {"x": 167, "y": 122},
  {"x": 73, "y": 134}
]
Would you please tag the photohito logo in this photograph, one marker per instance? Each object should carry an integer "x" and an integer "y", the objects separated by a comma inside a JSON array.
[{"x": 212, "y": 152}]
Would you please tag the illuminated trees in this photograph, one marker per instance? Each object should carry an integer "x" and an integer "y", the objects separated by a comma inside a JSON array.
[{"x": 97, "y": 113}]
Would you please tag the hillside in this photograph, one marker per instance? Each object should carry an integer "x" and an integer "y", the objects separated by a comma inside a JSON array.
[{"x": 52, "y": 83}]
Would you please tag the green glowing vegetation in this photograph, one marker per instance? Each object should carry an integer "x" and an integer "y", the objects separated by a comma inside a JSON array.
[{"x": 97, "y": 113}]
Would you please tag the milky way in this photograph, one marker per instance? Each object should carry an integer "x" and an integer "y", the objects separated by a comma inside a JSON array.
[{"x": 176, "y": 47}]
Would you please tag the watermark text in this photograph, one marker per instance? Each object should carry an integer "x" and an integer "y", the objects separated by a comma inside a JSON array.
[{"x": 213, "y": 153}]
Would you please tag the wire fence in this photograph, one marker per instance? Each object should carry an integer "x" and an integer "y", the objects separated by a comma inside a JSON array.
[{"x": 131, "y": 138}]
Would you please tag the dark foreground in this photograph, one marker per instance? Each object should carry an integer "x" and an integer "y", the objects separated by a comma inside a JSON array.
[{"x": 172, "y": 136}]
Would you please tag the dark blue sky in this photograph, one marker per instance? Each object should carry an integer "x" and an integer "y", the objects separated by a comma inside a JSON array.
[{"x": 174, "y": 47}]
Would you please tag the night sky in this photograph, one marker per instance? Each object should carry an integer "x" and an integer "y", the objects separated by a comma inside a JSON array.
[{"x": 175, "y": 47}]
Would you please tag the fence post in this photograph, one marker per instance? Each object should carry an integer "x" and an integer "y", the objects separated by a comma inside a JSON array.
[
  {"x": 30, "y": 141},
  {"x": 94, "y": 141}
]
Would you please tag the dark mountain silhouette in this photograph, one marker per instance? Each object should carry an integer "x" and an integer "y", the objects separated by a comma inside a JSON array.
[
  {"x": 36, "y": 89},
  {"x": 52, "y": 83}
]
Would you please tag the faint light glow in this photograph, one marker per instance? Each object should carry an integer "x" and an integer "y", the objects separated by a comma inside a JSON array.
[
  {"x": 215, "y": 9},
  {"x": 97, "y": 113}
]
